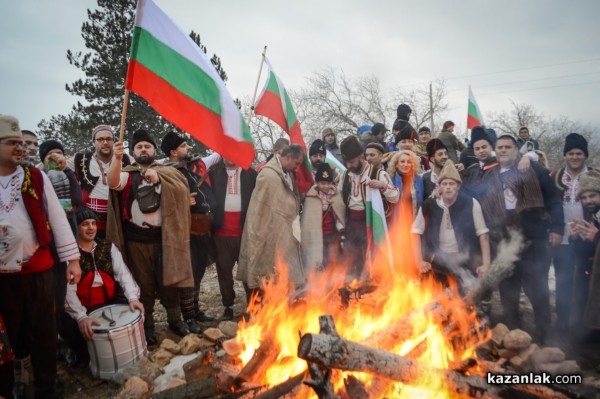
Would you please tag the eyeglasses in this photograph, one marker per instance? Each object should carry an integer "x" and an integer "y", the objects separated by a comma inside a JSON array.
[
  {"x": 13, "y": 143},
  {"x": 104, "y": 139}
]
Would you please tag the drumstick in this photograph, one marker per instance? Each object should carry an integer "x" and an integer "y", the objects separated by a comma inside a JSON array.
[{"x": 105, "y": 317}]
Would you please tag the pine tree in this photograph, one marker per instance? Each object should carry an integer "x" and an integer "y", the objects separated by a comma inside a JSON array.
[{"x": 107, "y": 38}]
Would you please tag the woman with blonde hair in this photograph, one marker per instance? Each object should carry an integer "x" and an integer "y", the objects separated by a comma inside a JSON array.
[{"x": 403, "y": 171}]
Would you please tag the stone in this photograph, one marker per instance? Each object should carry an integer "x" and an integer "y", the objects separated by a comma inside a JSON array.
[
  {"x": 189, "y": 344},
  {"x": 232, "y": 347},
  {"x": 213, "y": 334},
  {"x": 526, "y": 353},
  {"x": 498, "y": 333},
  {"x": 206, "y": 344},
  {"x": 516, "y": 340},
  {"x": 171, "y": 346},
  {"x": 507, "y": 353},
  {"x": 144, "y": 368},
  {"x": 161, "y": 357},
  {"x": 517, "y": 362},
  {"x": 546, "y": 355},
  {"x": 228, "y": 328},
  {"x": 135, "y": 388}
]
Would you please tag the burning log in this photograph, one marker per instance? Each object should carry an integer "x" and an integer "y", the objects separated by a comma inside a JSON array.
[
  {"x": 355, "y": 389},
  {"x": 403, "y": 328},
  {"x": 282, "y": 389},
  {"x": 320, "y": 382},
  {"x": 363, "y": 287},
  {"x": 255, "y": 370},
  {"x": 336, "y": 352}
]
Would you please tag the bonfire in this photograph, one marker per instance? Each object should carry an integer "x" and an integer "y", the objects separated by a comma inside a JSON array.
[{"x": 395, "y": 334}]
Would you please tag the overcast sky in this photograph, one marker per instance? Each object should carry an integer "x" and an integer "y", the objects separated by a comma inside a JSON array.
[{"x": 544, "y": 53}]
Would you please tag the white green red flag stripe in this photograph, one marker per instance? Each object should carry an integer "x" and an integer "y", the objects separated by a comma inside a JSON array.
[
  {"x": 177, "y": 79},
  {"x": 378, "y": 240},
  {"x": 334, "y": 162},
  {"x": 474, "y": 117},
  {"x": 274, "y": 103}
]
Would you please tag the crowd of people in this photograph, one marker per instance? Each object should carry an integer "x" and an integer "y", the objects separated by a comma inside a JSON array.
[{"x": 81, "y": 231}]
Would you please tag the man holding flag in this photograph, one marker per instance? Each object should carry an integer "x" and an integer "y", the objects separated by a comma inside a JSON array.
[{"x": 353, "y": 186}]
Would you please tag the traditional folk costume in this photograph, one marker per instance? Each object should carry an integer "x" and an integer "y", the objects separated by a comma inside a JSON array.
[
  {"x": 91, "y": 174},
  {"x": 233, "y": 189},
  {"x": 352, "y": 187},
  {"x": 272, "y": 229},
  {"x": 105, "y": 279},
  {"x": 31, "y": 220},
  {"x": 156, "y": 243},
  {"x": 322, "y": 224}
]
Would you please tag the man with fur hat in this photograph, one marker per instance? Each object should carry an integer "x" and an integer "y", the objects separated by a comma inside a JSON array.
[
  {"x": 438, "y": 155},
  {"x": 179, "y": 154},
  {"x": 330, "y": 140},
  {"x": 102, "y": 267},
  {"x": 452, "y": 143},
  {"x": 400, "y": 124},
  {"x": 567, "y": 180},
  {"x": 450, "y": 234},
  {"x": 585, "y": 237},
  {"x": 531, "y": 204},
  {"x": 317, "y": 155},
  {"x": 379, "y": 131},
  {"x": 150, "y": 223},
  {"x": 31, "y": 221},
  {"x": 352, "y": 185},
  {"x": 232, "y": 187},
  {"x": 272, "y": 228},
  {"x": 91, "y": 169},
  {"x": 323, "y": 219}
]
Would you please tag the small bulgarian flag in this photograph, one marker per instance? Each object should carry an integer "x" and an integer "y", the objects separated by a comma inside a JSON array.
[
  {"x": 474, "y": 117},
  {"x": 378, "y": 239},
  {"x": 174, "y": 75},
  {"x": 334, "y": 162},
  {"x": 275, "y": 104}
]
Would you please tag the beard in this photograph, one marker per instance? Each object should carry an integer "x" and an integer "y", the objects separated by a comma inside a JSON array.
[
  {"x": 592, "y": 208},
  {"x": 145, "y": 159},
  {"x": 357, "y": 169},
  {"x": 315, "y": 164}
]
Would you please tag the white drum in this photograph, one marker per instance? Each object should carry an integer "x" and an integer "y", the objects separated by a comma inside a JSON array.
[{"x": 118, "y": 341}]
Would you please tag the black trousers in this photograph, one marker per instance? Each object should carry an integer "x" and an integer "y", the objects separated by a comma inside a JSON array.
[
  {"x": 146, "y": 265},
  {"x": 564, "y": 269},
  {"x": 531, "y": 273},
  {"x": 27, "y": 305},
  {"x": 227, "y": 252},
  {"x": 355, "y": 247},
  {"x": 188, "y": 297}
]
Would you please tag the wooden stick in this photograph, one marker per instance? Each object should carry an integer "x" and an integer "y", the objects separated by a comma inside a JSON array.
[
  {"x": 282, "y": 389},
  {"x": 124, "y": 116},
  {"x": 255, "y": 369},
  {"x": 262, "y": 60}
]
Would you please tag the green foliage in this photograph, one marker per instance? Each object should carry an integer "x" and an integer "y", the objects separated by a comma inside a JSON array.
[{"x": 107, "y": 38}]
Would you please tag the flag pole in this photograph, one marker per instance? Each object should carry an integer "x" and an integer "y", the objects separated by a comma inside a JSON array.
[
  {"x": 262, "y": 61},
  {"x": 123, "y": 116}
]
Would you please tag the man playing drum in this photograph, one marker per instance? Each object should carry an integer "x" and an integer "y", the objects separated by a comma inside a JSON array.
[{"x": 102, "y": 268}]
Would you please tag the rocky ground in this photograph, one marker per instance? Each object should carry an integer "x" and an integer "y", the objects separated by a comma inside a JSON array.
[{"x": 79, "y": 383}]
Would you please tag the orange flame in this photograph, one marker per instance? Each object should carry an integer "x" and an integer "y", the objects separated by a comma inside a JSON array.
[{"x": 401, "y": 293}]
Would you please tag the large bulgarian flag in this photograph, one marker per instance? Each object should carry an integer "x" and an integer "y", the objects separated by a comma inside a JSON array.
[
  {"x": 474, "y": 118},
  {"x": 174, "y": 75},
  {"x": 274, "y": 103},
  {"x": 378, "y": 239}
]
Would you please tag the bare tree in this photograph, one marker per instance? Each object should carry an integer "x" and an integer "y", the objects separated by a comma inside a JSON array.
[
  {"x": 550, "y": 132},
  {"x": 331, "y": 99},
  {"x": 422, "y": 105}
]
